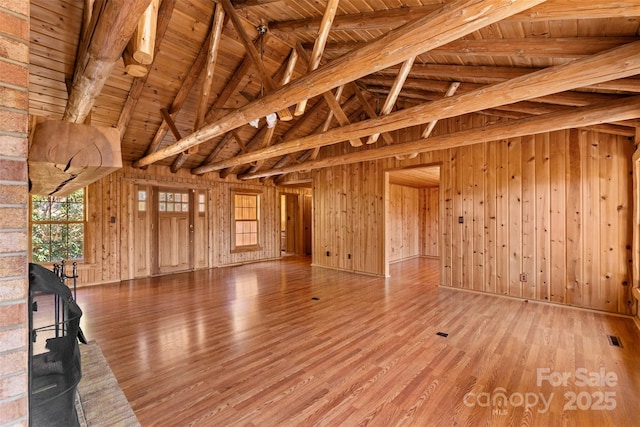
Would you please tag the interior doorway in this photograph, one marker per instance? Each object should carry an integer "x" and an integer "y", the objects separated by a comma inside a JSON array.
[
  {"x": 289, "y": 224},
  {"x": 412, "y": 212},
  {"x": 295, "y": 224}
]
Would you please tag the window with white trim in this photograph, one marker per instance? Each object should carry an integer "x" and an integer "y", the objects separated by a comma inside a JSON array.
[{"x": 246, "y": 220}]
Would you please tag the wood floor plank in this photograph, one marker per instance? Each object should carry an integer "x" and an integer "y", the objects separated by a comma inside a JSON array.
[{"x": 283, "y": 343}]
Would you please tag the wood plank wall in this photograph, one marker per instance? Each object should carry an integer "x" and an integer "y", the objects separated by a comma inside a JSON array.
[
  {"x": 554, "y": 206},
  {"x": 119, "y": 238},
  {"x": 429, "y": 221},
  {"x": 403, "y": 219},
  {"x": 348, "y": 218}
]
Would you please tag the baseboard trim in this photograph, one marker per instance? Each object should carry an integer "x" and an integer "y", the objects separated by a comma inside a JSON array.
[
  {"x": 364, "y": 273},
  {"x": 534, "y": 301}
]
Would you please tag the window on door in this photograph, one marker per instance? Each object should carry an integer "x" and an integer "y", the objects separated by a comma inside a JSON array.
[
  {"x": 170, "y": 201},
  {"x": 246, "y": 218}
]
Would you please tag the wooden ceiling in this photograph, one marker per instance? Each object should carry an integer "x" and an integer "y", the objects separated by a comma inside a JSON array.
[
  {"x": 383, "y": 65},
  {"x": 416, "y": 177}
]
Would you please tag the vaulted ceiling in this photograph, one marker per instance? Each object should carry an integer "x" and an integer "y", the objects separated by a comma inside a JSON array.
[{"x": 364, "y": 68}]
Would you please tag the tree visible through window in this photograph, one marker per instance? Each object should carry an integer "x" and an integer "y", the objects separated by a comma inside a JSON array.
[
  {"x": 57, "y": 227},
  {"x": 246, "y": 207}
]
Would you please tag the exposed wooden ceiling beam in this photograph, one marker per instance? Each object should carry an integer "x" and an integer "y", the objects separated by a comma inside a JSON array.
[
  {"x": 327, "y": 120},
  {"x": 432, "y": 124},
  {"x": 252, "y": 53},
  {"x": 256, "y": 141},
  {"x": 318, "y": 45},
  {"x": 332, "y": 101},
  {"x": 181, "y": 97},
  {"x": 616, "y": 63},
  {"x": 290, "y": 133},
  {"x": 216, "y": 110},
  {"x": 381, "y": 19},
  {"x": 164, "y": 17},
  {"x": 249, "y": 3},
  {"x": 218, "y": 148},
  {"x": 98, "y": 53},
  {"x": 214, "y": 44},
  {"x": 488, "y": 75},
  {"x": 205, "y": 88},
  {"x": 386, "y": 19},
  {"x": 532, "y": 47},
  {"x": 457, "y": 19},
  {"x": 368, "y": 109},
  {"x": 172, "y": 125},
  {"x": 578, "y": 117},
  {"x": 229, "y": 89},
  {"x": 291, "y": 66},
  {"x": 524, "y": 109},
  {"x": 430, "y": 90},
  {"x": 394, "y": 92}
]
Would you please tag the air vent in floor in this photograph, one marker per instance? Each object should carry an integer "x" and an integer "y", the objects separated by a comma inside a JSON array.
[{"x": 614, "y": 341}]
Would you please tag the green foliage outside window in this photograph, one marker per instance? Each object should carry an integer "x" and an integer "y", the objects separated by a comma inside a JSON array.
[{"x": 57, "y": 227}]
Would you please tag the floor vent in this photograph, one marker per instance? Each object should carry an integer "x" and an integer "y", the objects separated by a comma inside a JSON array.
[
  {"x": 315, "y": 298},
  {"x": 442, "y": 334},
  {"x": 614, "y": 341}
]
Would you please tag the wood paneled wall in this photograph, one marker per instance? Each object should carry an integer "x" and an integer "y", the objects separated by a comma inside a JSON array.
[
  {"x": 429, "y": 221},
  {"x": 119, "y": 238},
  {"x": 403, "y": 221},
  {"x": 554, "y": 207},
  {"x": 348, "y": 218}
]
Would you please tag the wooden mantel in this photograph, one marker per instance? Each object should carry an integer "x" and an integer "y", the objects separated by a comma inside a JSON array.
[{"x": 65, "y": 157}]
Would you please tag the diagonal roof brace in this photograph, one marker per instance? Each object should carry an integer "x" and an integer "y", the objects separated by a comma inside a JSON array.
[{"x": 451, "y": 22}]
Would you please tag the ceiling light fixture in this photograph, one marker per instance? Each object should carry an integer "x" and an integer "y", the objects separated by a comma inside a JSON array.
[{"x": 271, "y": 118}]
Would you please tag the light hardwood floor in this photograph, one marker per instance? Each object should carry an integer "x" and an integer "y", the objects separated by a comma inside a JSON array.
[{"x": 250, "y": 345}]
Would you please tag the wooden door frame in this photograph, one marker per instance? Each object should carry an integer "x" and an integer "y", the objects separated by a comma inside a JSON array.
[
  {"x": 304, "y": 229},
  {"x": 298, "y": 221},
  {"x": 385, "y": 214},
  {"x": 155, "y": 227},
  {"x": 635, "y": 224}
]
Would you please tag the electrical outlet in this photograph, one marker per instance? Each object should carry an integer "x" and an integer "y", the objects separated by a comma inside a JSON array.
[
  {"x": 460, "y": 220},
  {"x": 523, "y": 277},
  {"x": 328, "y": 253}
]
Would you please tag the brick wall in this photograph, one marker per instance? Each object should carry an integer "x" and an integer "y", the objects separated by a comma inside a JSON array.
[{"x": 14, "y": 119}]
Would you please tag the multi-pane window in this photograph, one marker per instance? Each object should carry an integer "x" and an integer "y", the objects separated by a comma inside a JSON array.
[
  {"x": 170, "y": 201},
  {"x": 57, "y": 227},
  {"x": 142, "y": 200},
  {"x": 202, "y": 207},
  {"x": 246, "y": 216}
]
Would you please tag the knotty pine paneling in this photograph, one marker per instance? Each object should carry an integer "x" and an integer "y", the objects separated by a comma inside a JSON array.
[
  {"x": 403, "y": 217},
  {"x": 554, "y": 207},
  {"x": 119, "y": 237},
  {"x": 348, "y": 218},
  {"x": 429, "y": 221}
]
